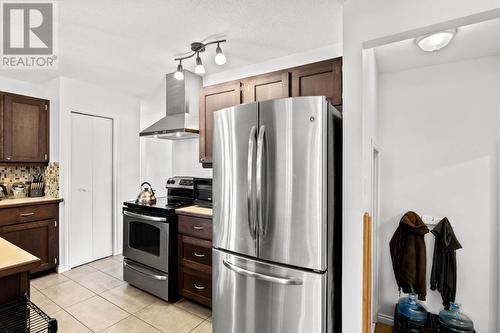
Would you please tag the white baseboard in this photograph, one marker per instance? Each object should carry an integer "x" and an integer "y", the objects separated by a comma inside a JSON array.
[
  {"x": 62, "y": 269},
  {"x": 385, "y": 319}
]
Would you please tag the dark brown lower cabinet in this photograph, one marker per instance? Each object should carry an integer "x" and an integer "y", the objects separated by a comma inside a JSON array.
[
  {"x": 35, "y": 229},
  {"x": 195, "y": 258}
]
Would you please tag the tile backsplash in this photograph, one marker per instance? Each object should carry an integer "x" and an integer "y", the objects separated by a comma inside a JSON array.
[
  {"x": 52, "y": 180},
  {"x": 14, "y": 174}
]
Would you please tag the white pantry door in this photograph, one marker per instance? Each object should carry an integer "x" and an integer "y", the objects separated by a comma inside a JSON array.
[{"x": 91, "y": 224}]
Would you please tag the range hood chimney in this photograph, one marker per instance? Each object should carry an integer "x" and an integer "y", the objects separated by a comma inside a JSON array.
[{"x": 181, "y": 120}]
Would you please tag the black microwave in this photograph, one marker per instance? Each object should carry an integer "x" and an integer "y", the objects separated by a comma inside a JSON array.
[{"x": 203, "y": 192}]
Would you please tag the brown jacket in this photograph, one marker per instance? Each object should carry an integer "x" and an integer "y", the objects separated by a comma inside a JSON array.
[{"x": 409, "y": 255}]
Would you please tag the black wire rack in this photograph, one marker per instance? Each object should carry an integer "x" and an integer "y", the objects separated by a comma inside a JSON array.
[{"x": 22, "y": 316}]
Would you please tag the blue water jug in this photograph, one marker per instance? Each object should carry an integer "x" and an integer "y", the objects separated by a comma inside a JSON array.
[
  {"x": 413, "y": 311},
  {"x": 454, "y": 320}
]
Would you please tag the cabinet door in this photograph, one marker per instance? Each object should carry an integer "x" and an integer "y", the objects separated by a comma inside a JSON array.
[
  {"x": 25, "y": 129},
  {"x": 322, "y": 78},
  {"x": 266, "y": 86},
  {"x": 214, "y": 98},
  {"x": 40, "y": 238}
]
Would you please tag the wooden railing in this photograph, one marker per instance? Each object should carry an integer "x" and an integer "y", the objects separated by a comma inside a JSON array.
[{"x": 367, "y": 272}]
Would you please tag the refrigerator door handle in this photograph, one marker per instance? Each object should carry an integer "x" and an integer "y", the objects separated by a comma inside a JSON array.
[
  {"x": 260, "y": 276},
  {"x": 261, "y": 215},
  {"x": 250, "y": 199}
]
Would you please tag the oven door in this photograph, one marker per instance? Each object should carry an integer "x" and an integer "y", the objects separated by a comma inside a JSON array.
[{"x": 146, "y": 239}]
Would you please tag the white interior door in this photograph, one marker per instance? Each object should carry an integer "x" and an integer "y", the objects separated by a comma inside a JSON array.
[
  {"x": 80, "y": 238},
  {"x": 102, "y": 187},
  {"x": 91, "y": 224}
]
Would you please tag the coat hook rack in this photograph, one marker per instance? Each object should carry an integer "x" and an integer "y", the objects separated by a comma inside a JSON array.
[{"x": 432, "y": 221}]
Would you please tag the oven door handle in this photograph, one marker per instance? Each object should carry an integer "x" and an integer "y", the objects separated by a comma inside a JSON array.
[
  {"x": 144, "y": 273},
  {"x": 145, "y": 217}
]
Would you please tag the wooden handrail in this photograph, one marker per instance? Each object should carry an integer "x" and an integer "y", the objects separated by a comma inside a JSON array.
[{"x": 367, "y": 272}]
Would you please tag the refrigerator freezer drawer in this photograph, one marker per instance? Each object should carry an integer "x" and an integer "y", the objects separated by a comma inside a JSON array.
[{"x": 251, "y": 296}]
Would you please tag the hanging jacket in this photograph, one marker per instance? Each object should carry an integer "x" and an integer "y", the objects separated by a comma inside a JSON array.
[
  {"x": 409, "y": 255},
  {"x": 444, "y": 262}
]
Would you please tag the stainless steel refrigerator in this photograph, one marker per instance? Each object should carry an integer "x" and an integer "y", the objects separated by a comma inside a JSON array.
[{"x": 277, "y": 175}]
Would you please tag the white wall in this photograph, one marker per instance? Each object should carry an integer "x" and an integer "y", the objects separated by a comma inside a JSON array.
[
  {"x": 439, "y": 129},
  {"x": 124, "y": 110},
  {"x": 364, "y": 21},
  {"x": 185, "y": 159},
  {"x": 156, "y": 154}
]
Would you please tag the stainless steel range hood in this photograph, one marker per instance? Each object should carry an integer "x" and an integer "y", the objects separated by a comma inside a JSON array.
[{"x": 181, "y": 120}]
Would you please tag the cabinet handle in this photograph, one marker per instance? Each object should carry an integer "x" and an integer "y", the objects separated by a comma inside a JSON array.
[
  {"x": 197, "y": 227},
  {"x": 198, "y": 255},
  {"x": 198, "y": 287},
  {"x": 27, "y": 214}
]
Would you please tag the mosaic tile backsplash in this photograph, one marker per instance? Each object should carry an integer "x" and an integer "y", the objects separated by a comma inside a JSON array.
[
  {"x": 14, "y": 174},
  {"x": 52, "y": 180}
]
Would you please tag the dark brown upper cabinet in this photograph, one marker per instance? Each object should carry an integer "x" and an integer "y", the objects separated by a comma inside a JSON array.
[
  {"x": 322, "y": 78},
  {"x": 24, "y": 129},
  {"x": 267, "y": 86},
  {"x": 214, "y": 98}
]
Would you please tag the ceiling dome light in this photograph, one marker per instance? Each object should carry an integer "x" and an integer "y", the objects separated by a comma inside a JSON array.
[
  {"x": 199, "y": 69},
  {"x": 179, "y": 73},
  {"x": 435, "y": 41},
  {"x": 220, "y": 58}
]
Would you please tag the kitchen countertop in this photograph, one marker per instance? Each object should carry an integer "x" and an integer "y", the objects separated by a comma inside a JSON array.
[
  {"x": 195, "y": 211},
  {"x": 28, "y": 201},
  {"x": 14, "y": 259}
]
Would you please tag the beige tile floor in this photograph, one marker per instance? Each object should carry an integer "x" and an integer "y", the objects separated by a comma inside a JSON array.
[{"x": 94, "y": 298}]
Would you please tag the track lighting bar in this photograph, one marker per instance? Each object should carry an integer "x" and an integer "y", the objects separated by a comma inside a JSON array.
[{"x": 196, "y": 49}]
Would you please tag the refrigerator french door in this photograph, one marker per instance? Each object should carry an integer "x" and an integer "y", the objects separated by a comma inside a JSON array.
[{"x": 276, "y": 184}]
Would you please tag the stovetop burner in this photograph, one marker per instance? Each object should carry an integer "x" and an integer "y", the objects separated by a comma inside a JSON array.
[{"x": 162, "y": 203}]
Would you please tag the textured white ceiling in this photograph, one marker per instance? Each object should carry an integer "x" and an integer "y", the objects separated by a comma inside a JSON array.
[
  {"x": 472, "y": 41},
  {"x": 131, "y": 44}
]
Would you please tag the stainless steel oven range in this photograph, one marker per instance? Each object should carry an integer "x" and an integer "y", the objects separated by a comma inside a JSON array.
[{"x": 150, "y": 240}]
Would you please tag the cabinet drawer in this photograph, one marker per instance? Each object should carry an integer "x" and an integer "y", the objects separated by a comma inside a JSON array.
[
  {"x": 28, "y": 213},
  {"x": 197, "y": 250},
  {"x": 195, "y": 226},
  {"x": 198, "y": 285}
]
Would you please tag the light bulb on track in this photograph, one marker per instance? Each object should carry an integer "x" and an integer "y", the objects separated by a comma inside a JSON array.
[
  {"x": 199, "y": 69},
  {"x": 220, "y": 58}
]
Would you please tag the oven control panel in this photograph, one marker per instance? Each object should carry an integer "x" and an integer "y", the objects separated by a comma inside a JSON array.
[{"x": 180, "y": 182}]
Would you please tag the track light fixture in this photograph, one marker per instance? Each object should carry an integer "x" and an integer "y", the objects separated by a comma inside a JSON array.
[{"x": 196, "y": 49}]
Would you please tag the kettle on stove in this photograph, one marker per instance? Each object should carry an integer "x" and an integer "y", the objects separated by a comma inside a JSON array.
[
  {"x": 147, "y": 195},
  {"x": 3, "y": 192}
]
